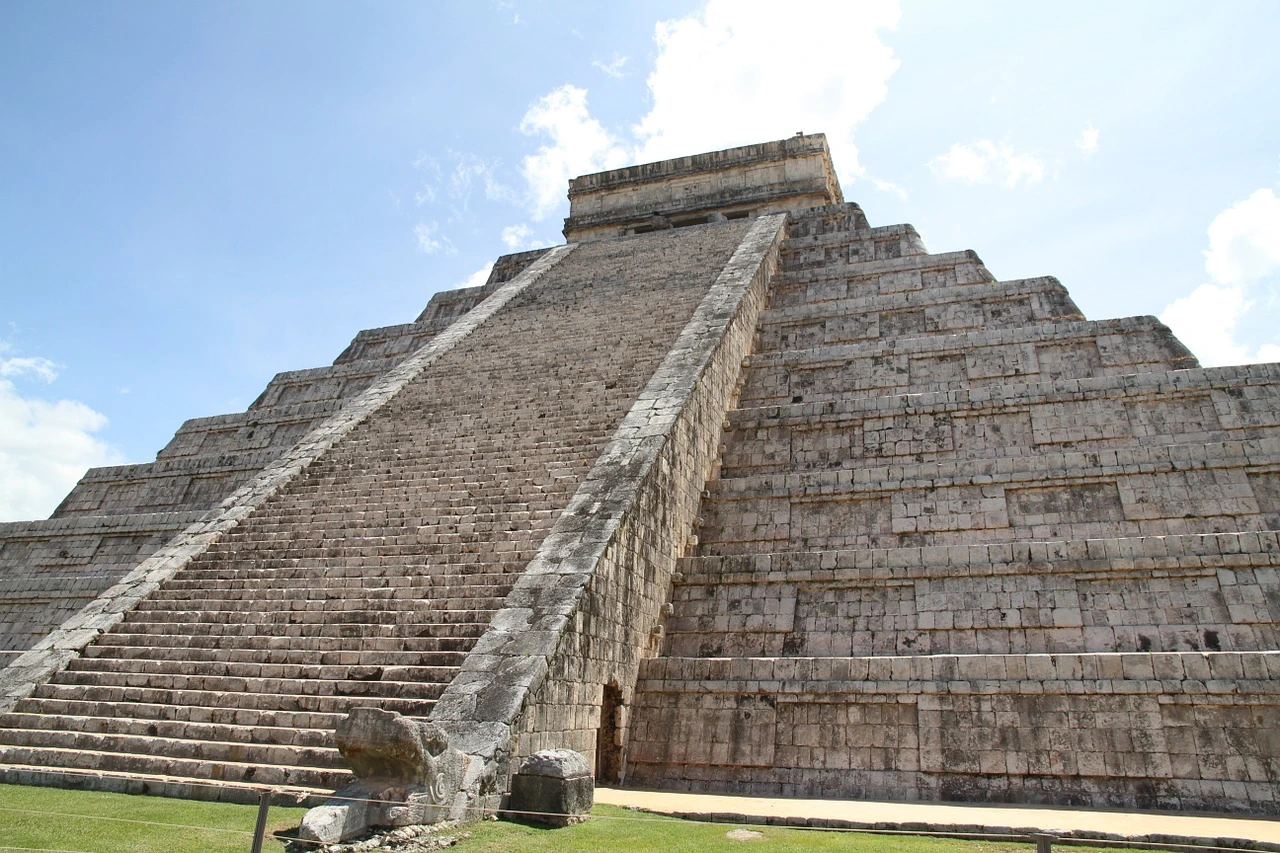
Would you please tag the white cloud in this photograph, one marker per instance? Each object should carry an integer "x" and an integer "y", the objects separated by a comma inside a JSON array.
[
  {"x": 727, "y": 76},
  {"x": 41, "y": 368},
  {"x": 430, "y": 167},
  {"x": 740, "y": 73},
  {"x": 45, "y": 447},
  {"x": 477, "y": 278},
  {"x": 1088, "y": 141},
  {"x": 513, "y": 236},
  {"x": 518, "y": 238},
  {"x": 614, "y": 68},
  {"x": 985, "y": 162},
  {"x": 1244, "y": 240},
  {"x": 1244, "y": 251},
  {"x": 889, "y": 187},
  {"x": 430, "y": 240},
  {"x": 467, "y": 170},
  {"x": 579, "y": 144}
]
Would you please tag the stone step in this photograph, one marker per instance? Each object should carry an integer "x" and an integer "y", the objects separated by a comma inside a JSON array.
[
  {"x": 253, "y": 604},
  {"x": 320, "y": 702},
  {"x": 1169, "y": 407},
  {"x": 159, "y": 785},
  {"x": 272, "y": 672},
  {"x": 260, "y": 686},
  {"x": 942, "y": 310},
  {"x": 1076, "y": 350},
  {"x": 387, "y": 573},
  {"x": 1169, "y": 593},
  {"x": 223, "y": 595},
  {"x": 270, "y": 646},
  {"x": 278, "y": 656},
  {"x": 181, "y": 768},
  {"x": 273, "y": 722},
  {"x": 331, "y": 588},
  {"x": 100, "y": 736},
  {"x": 346, "y": 633},
  {"x": 407, "y": 622}
]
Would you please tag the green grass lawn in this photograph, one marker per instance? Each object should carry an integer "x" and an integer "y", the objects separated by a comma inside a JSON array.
[
  {"x": 90, "y": 822},
  {"x": 93, "y": 822},
  {"x": 613, "y": 828}
]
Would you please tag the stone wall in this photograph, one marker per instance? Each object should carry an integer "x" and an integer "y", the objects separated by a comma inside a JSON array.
[
  {"x": 963, "y": 544},
  {"x": 1216, "y": 592},
  {"x": 1159, "y": 731}
]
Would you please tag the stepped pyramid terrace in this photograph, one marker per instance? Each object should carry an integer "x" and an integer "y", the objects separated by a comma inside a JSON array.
[{"x": 732, "y": 492}]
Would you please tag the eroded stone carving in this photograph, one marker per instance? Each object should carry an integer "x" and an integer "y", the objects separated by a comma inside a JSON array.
[
  {"x": 406, "y": 773},
  {"x": 554, "y": 786}
]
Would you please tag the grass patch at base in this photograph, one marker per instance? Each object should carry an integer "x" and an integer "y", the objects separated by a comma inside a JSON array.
[
  {"x": 34, "y": 818},
  {"x": 612, "y": 828},
  {"x": 95, "y": 822}
]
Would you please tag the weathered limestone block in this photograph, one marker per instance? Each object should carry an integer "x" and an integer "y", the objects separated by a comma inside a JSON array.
[
  {"x": 554, "y": 786},
  {"x": 406, "y": 774}
]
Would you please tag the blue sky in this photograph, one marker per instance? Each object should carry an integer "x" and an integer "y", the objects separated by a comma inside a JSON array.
[{"x": 197, "y": 195}]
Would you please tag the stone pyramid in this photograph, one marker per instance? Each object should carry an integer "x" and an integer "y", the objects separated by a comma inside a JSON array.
[{"x": 732, "y": 492}]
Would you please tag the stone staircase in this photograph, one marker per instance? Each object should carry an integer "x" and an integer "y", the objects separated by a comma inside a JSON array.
[
  {"x": 965, "y": 544},
  {"x": 117, "y": 516},
  {"x": 367, "y": 578}
]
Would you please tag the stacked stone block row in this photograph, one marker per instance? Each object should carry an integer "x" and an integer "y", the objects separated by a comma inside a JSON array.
[
  {"x": 1007, "y": 304},
  {"x": 964, "y": 544},
  {"x": 917, "y": 365},
  {"x": 890, "y": 271},
  {"x": 171, "y": 484},
  {"x": 1170, "y": 593},
  {"x": 1182, "y": 407},
  {"x": 268, "y": 427},
  {"x": 1212, "y": 487},
  {"x": 49, "y": 569},
  {"x": 370, "y": 572},
  {"x": 1154, "y": 730}
]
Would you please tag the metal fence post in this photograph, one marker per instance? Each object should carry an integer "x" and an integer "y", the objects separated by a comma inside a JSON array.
[{"x": 264, "y": 805}]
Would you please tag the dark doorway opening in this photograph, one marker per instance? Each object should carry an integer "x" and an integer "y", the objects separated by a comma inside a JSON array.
[{"x": 609, "y": 737}]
